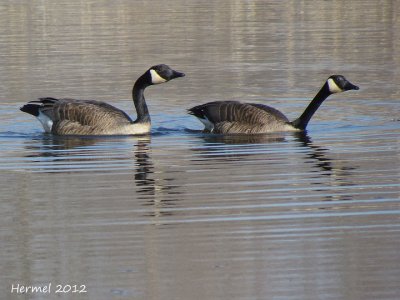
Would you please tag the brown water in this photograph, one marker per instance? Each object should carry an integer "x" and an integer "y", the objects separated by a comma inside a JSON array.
[{"x": 182, "y": 215}]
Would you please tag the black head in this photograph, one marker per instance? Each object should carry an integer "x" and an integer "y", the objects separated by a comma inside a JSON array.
[
  {"x": 162, "y": 73},
  {"x": 337, "y": 84}
]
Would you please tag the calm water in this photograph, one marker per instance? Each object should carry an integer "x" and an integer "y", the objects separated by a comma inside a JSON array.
[{"x": 182, "y": 215}]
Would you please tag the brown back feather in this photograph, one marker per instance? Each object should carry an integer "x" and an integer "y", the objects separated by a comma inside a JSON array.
[
  {"x": 233, "y": 111},
  {"x": 84, "y": 112}
]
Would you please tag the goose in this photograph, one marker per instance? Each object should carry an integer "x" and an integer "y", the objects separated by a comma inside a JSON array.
[
  {"x": 233, "y": 117},
  {"x": 90, "y": 117}
]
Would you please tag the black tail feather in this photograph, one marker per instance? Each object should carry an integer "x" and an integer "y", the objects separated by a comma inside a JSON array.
[
  {"x": 196, "y": 111},
  {"x": 47, "y": 100},
  {"x": 30, "y": 108},
  {"x": 33, "y": 107}
]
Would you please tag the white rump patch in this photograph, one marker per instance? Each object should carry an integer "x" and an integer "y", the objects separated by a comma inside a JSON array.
[
  {"x": 156, "y": 78},
  {"x": 333, "y": 87},
  {"x": 47, "y": 123},
  {"x": 207, "y": 124}
]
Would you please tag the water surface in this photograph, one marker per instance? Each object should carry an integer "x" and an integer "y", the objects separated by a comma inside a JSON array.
[{"x": 183, "y": 215}]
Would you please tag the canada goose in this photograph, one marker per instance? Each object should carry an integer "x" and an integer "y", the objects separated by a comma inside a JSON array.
[
  {"x": 90, "y": 117},
  {"x": 232, "y": 117}
]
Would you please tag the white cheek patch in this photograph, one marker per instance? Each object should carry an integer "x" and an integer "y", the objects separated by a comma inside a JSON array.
[
  {"x": 333, "y": 87},
  {"x": 155, "y": 78}
]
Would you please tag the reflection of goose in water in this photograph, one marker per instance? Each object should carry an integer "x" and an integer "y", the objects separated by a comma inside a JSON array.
[
  {"x": 120, "y": 166},
  {"x": 243, "y": 139},
  {"x": 328, "y": 167},
  {"x": 69, "y": 154},
  {"x": 218, "y": 150},
  {"x": 144, "y": 168},
  {"x": 153, "y": 185},
  {"x": 317, "y": 155},
  {"x": 149, "y": 180},
  {"x": 107, "y": 156},
  {"x": 233, "y": 147}
]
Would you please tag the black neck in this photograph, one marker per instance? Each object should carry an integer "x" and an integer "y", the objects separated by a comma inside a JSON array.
[
  {"x": 302, "y": 121},
  {"x": 143, "y": 115}
]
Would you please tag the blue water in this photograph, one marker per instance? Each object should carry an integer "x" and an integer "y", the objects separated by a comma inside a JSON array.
[{"x": 179, "y": 214}]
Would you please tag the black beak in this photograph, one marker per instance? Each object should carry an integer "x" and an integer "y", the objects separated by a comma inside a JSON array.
[
  {"x": 350, "y": 86},
  {"x": 177, "y": 74}
]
